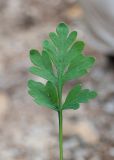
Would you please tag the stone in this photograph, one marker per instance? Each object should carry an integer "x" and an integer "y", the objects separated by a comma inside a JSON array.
[
  {"x": 70, "y": 1},
  {"x": 111, "y": 152},
  {"x": 68, "y": 128},
  {"x": 109, "y": 107},
  {"x": 70, "y": 143},
  {"x": 81, "y": 154},
  {"x": 74, "y": 12},
  {"x": 67, "y": 155},
  {"x": 83, "y": 129},
  {"x": 4, "y": 104},
  {"x": 1, "y": 65},
  {"x": 87, "y": 132},
  {"x": 95, "y": 158}
]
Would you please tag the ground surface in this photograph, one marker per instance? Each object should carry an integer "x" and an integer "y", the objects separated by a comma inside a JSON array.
[{"x": 28, "y": 132}]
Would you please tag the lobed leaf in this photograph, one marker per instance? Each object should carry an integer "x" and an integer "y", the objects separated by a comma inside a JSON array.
[
  {"x": 43, "y": 65},
  {"x": 76, "y": 96},
  {"x": 51, "y": 51},
  {"x": 35, "y": 58},
  {"x": 78, "y": 67},
  {"x": 75, "y": 50},
  {"x": 62, "y": 30},
  {"x": 43, "y": 73},
  {"x": 47, "y": 62},
  {"x": 52, "y": 92},
  {"x": 62, "y": 59},
  {"x": 39, "y": 92},
  {"x": 65, "y": 51},
  {"x": 71, "y": 39}
]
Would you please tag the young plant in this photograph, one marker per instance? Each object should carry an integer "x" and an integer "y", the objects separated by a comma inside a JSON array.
[{"x": 61, "y": 60}]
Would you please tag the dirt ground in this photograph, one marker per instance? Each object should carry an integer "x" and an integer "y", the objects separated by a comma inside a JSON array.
[{"x": 28, "y": 132}]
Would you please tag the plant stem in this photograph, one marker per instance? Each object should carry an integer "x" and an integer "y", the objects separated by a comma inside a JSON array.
[
  {"x": 60, "y": 134},
  {"x": 60, "y": 117}
]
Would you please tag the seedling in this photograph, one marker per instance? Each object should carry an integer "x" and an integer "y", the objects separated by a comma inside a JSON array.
[{"x": 61, "y": 60}]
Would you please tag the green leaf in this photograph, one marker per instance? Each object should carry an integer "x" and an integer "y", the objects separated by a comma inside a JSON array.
[
  {"x": 72, "y": 94},
  {"x": 61, "y": 60},
  {"x": 78, "y": 67},
  {"x": 85, "y": 95},
  {"x": 51, "y": 51},
  {"x": 36, "y": 85},
  {"x": 72, "y": 105},
  {"x": 62, "y": 30},
  {"x": 74, "y": 52},
  {"x": 47, "y": 62},
  {"x": 62, "y": 47},
  {"x": 43, "y": 66},
  {"x": 76, "y": 96},
  {"x": 56, "y": 47},
  {"x": 52, "y": 92},
  {"x": 55, "y": 39},
  {"x": 35, "y": 58},
  {"x": 38, "y": 91},
  {"x": 71, "y": 39},
  {"x": 43, "y": 73}
]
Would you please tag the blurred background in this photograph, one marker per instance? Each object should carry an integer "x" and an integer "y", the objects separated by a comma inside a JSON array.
[{"x": 28, "y": 132}]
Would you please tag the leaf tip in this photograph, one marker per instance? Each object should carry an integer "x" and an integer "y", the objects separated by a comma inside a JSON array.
[
  {"x": 29, "y": 82},
  {"x": 81, "y": 44},
  {"x": 33, "y": 51},
  {"x": 62, "y": 28},
  {"x": 93, "y": 94}
]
